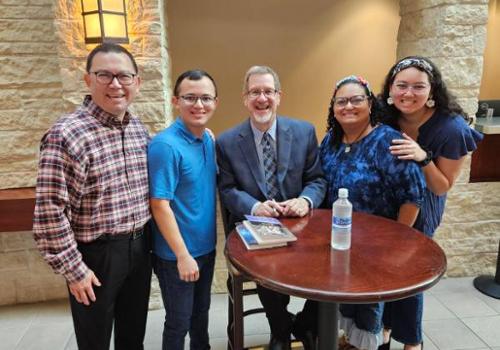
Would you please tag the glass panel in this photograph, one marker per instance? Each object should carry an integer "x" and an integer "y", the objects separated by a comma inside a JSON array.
[
  {"x": 89, "y": 5},
  {"x": 114, "y": 26},
  {"x": 92, "y": 26},
  {"x": 113, "y": 5}
]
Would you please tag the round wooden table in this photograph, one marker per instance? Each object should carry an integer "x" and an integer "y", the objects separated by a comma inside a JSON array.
[{"x": 387, "y": 261}]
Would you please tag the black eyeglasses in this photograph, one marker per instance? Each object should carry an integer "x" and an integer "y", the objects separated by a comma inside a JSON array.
[
  {"x": 105, "y": 77},
  {"x": 356, "y": 100},
  {"x": 191, "y": 100}
]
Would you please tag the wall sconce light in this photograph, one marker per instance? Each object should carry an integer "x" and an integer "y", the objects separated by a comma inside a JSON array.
[{"x": 105, "y": 21}]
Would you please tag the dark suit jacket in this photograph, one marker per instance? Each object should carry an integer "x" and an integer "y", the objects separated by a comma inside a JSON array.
[{"x": 241, "y": 181}]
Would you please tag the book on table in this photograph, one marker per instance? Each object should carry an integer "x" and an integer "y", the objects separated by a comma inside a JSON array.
[
  {"x": 251, "y": 243},
  {"x": 267, "y": 230}
]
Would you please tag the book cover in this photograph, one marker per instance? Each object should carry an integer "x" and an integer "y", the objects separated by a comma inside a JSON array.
[
  {"x": 250, "y": 242},
  {"x": 268, "y": 230}
]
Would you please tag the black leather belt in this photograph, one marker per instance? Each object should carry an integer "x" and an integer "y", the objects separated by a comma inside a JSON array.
[
  {"x": 137, "y": 233},
  {"x": 131, "y": 236}
]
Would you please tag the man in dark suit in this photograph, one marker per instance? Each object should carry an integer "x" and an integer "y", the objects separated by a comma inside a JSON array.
[{"x": 269, "y": 166}]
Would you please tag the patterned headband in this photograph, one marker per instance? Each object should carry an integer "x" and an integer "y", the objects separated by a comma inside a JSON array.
[
  {"x": 353, "y": 79},
  {"x": 412, "y": 62}
]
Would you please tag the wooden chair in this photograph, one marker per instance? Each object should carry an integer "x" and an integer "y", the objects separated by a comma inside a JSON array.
[{"x": 238, "y": 286}]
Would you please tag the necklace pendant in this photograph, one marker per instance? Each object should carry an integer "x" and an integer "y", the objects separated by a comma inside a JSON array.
[{"x": 347, "y": 149}]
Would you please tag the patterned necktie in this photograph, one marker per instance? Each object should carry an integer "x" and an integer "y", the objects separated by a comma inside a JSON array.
[{"x": 270, "y": 167}]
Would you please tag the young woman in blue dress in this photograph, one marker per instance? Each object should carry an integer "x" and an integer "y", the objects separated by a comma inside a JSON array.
[
  {"x": 354, "y": 156},
  {"x": 436, "y": 136}
]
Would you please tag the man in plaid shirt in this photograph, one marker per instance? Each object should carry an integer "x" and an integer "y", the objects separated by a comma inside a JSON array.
[{"x": 92, "y": 205}]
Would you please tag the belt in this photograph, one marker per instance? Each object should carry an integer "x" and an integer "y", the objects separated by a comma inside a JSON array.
[{"x": 131, "y": 236}]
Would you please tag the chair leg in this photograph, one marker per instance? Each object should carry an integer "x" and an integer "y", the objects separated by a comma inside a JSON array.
[{"x": 237, "y": 287}]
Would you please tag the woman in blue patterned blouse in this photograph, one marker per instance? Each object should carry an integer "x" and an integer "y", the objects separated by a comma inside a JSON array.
[
  {"x": 354, "y": 156},
  {"x": 436, "y": 136}
]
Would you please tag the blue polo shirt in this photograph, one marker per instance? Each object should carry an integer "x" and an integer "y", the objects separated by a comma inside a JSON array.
[{"x": 182, "y": 170}]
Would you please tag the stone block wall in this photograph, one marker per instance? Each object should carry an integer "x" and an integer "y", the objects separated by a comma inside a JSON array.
[
  {"x": 24, "y": 275},
  {"x": 453, "y": 34},
  {"x": 42, "y": 62},
  {"x": 30, "y": 86}
]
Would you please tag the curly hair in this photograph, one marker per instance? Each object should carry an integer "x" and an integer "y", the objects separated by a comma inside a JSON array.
[
  {"x": 445, "y": 102},
  {"x": 333, "y": 126}
]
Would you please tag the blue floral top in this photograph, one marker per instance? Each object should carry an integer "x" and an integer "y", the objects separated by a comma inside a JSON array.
[
  {"x": 449, "y": 137},
  {"x": 378, "y": 183}
]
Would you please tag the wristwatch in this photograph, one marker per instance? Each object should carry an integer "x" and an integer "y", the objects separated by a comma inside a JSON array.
[{"x": 427, "y": 159}]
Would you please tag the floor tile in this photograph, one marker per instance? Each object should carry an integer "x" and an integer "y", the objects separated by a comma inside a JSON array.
[
  {"x": 11, "y": 336},
  {"x": 18, "y": 315},
  {"x": 452, "y": 285},
  {"x": 53, "y": 335},
  {"x": 486, "y": 328},
  {"x": 451, "y": 335},
  {"x": 71, "y": 343},
  {"x": 435, "y": 310},
  {"x": 49, "y": 325},
  {"x": 490, "y": 301},
  {"x": 465, "y": 304},
  {"x": 428, "y": 344}
]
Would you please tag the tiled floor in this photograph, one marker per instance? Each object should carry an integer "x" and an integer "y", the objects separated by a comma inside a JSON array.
[{"x": 456, "y": 316}]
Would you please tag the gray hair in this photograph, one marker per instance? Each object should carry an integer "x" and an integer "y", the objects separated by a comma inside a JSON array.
[{"x": 260, "y": 70}]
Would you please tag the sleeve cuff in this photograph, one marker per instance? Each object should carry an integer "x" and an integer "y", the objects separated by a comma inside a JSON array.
[
  {"x": 254, "y": 208},
  {"x": 77, "y": 274},
  {"x": 309, "y": 201}
]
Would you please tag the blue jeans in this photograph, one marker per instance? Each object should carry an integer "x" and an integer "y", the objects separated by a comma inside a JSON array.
[
  {"x": 186, "y": 303},
  {"x": 404, "y": 317},
  {"x": 367, "y": 317}
]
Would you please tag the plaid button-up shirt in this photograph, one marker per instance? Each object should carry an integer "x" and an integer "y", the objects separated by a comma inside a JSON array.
[{"x": 92, "y": 180}]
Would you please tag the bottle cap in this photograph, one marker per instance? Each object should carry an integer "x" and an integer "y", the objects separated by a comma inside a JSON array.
[{"x": 343, "y": 192}]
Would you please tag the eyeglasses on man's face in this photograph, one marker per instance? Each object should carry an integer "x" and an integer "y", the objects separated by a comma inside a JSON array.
[
  {"x": 106, "y": 78},
  {"x": 418, "y": 88},
  {"x": 255, "y": 93},
  {"x": 191, "y": 100},
  {"x": 356, "y": 101}
]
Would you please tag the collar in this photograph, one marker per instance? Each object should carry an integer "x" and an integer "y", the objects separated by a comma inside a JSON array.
[
  {"x": 257, "y": 134},
  {"x": 186, "y": 134},
  {"x": 102, "y": 116}
]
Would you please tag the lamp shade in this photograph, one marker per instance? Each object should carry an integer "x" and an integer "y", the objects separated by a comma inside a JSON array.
[{"x": 105, "y": 21}]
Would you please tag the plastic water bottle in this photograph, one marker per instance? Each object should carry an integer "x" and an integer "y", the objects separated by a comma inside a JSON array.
[{"x": 341, "y": 221}]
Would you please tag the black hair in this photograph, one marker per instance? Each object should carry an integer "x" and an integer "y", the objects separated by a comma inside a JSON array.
[
  {"x": 193, "y": 74},
  {"x": 334, "y": 127},
  {"x": 109, "y": 47},
  {"x": 445, "y": 102}
]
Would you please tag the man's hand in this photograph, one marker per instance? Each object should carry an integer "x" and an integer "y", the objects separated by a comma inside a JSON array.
[
  {"x": 269, "y": 208},
  {"x": 188, "y": 268},
  {"x": 295, "y": 207},
  {"x": 83, "y": 290}
]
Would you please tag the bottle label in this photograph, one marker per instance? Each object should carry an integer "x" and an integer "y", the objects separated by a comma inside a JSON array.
[{"x": 340, "y": 221}]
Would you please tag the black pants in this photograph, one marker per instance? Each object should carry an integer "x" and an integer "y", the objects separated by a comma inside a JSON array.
[
  {"x": 123, "y": 266},
  {"x": 280, "y": 320}
]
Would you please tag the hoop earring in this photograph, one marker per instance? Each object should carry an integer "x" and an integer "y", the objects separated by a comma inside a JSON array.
[
  {"x": 390, "y": 101},
  {"x": 430, "y": 103}
]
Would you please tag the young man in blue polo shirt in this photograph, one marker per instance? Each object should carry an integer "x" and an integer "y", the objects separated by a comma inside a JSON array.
[{"x": 181, "y": 162}]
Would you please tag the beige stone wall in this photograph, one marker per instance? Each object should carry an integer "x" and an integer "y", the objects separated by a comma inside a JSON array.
[
  {"x": 453, "y": 34},
  {"x": 24, "y": 276},
  {"x": 42, "y": 62},
  {"x": 30, "y": 86}
]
